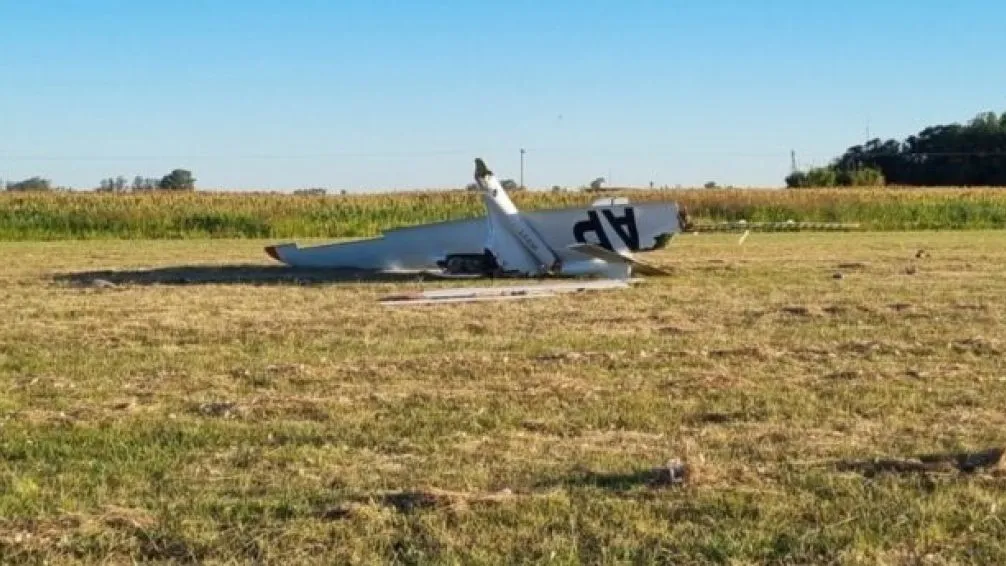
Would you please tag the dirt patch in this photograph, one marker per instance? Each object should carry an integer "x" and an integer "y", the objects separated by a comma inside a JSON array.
[
  {"x": 868, "y": 347},
  {"x": 978, "y": 346},
  {"x": 409, "y": 501},
  {"x": 724, "y": 417},
  {"x": 742, "y": 352},
  {"x": 676, "y": 330},
  {"x": 797, "y": 310},
  {"x": 217, "y": 409},
  {"x": 845, "y": 375}
]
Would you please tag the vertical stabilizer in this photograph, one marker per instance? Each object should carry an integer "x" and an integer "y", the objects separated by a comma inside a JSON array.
[{"x": 511, "y": 239}]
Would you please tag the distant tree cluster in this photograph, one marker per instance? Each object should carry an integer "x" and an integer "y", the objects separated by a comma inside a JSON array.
[
  {"x": 973, "y": 154},
  {"x": 177, "y": 180},
  {"x": 595, "y": 186},
  {"x": 311, "y": 191},
  {"x": 31, "y": 184}
]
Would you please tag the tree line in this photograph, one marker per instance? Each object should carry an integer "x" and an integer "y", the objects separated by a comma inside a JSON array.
[
  {"x": 952, "y": 155},
  {"x": 177, "y": 180}
]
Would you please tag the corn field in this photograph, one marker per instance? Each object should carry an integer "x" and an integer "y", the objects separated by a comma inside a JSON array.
[{"x": 69, "y": 215}]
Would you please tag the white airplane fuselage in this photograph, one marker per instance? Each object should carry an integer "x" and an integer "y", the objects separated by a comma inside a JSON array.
[{"x": 594, "y": 241}]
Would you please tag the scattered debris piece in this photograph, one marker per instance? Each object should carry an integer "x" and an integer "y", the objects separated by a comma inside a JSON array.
[
  {"x": 838, "y": 275},
  {"x": 674, "y": 472},
  {"x": 900, "y": 306},
  {"x": 853, "y": 265},
  {"x": 921, "y": 254},
  {"x": 911, "y": 270}
]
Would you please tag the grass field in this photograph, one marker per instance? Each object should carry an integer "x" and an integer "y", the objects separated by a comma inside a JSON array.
[
  {"x": 284, "y": 423},
  {"x": 85, "y": 215}
]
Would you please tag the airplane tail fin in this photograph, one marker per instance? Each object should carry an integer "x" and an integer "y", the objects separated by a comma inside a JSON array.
[{"x": 596, "y": 251}]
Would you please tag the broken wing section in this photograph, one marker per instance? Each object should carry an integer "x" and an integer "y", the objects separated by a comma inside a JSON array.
[
  {"x": 615, "y": 258},
  {"x": 413, "y": 248}
]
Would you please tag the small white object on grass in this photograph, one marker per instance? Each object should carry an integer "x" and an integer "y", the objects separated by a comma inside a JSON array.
[{"x": 744, "y": 236}]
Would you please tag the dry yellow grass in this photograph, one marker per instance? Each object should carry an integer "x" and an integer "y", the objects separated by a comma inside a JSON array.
[
  {"x": 55, "y": 216},
  {"x": 283, "y": 423}
]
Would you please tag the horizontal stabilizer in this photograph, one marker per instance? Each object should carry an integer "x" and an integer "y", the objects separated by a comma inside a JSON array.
[{"x": 596, "y": 251}]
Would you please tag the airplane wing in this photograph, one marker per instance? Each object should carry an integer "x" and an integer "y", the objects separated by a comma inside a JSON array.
[{"x": 412, "y": 248}]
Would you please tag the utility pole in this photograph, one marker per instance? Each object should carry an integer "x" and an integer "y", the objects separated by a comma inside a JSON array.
[
  {"x": 522, "y": 152},
  {"x": 792, "y": 161}
]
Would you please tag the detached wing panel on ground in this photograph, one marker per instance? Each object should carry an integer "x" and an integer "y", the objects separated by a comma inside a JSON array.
[{"x": 518, "y": 292}]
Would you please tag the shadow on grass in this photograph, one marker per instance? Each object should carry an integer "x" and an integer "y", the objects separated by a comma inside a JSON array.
[
  {"x": 966, "y": 462},
  {"x": 232, "y": 274},
  {"x": 662, "y": 476}
]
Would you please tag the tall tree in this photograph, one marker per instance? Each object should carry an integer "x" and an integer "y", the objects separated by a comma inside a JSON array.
[
  {"x": 178, "y": 180},
  {"x": 31, "y": 184},
  {"x": 939, "y": 155}
]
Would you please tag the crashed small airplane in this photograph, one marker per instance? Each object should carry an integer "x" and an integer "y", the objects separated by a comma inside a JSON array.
[{"x": 596, "y": 241}]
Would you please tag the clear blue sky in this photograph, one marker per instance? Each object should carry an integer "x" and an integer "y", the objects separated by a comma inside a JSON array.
[{"x": 378, "y": 94}]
